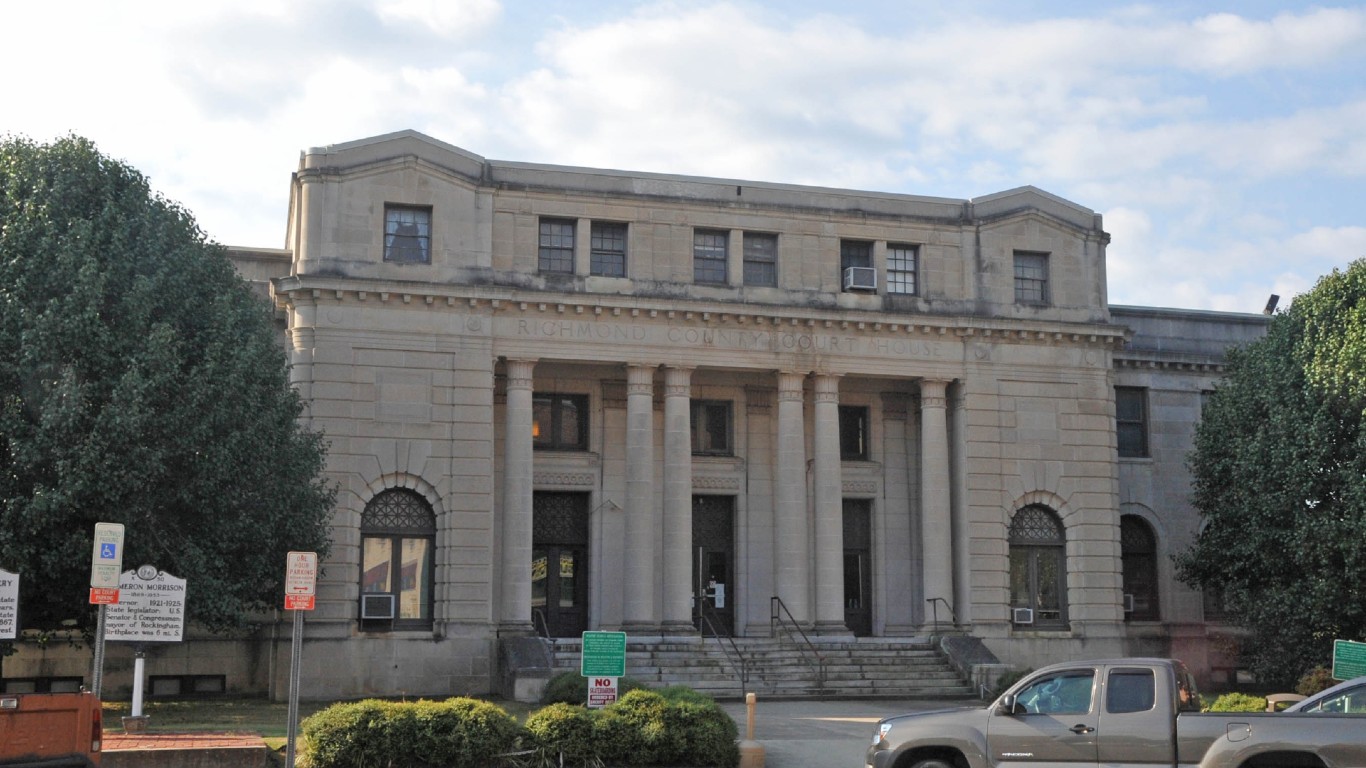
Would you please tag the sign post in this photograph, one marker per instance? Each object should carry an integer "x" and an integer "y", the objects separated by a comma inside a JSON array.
[
  {"x": 602, "y": 662},
  {"x": 9, "y": 605},
  {"x": 1349, "y": 659},
  {"x": 106, "y": 562},
  {"x": 301, "y": 581}
]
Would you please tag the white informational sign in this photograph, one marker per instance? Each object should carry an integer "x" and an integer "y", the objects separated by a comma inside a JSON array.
[
  {"x": 106, "y": 559},
  {"x": 301, "y": 580},
  {"x": 151, "y": 608},
  {"x": 9, "y": 605},
  {"x": 601, "y": 691}
]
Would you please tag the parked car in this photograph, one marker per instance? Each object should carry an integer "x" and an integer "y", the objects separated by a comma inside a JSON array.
[
  {"x": 1113, "y": 712},
  {"x": 1348, "y": 698}
]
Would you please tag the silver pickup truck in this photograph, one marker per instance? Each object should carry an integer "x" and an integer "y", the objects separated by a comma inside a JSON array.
[{"x": 1115, "y": 713}]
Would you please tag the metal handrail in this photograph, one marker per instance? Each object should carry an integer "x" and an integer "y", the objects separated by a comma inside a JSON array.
[
  {"x": 739, "y": 662},
  {"x": 775, "y": 620},
  {"x": 934, "y": 606},
  {"x": 544, "y": 633}
]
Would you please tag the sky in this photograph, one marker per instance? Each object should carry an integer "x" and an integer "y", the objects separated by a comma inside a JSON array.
[{"x": 1223, "y": 142}]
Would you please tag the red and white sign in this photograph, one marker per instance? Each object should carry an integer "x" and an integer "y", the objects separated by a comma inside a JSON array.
[
  {"x": 104, "y": 596},
  {"x": 301, "y": 579},
  {"x": 601, "y": 691}
]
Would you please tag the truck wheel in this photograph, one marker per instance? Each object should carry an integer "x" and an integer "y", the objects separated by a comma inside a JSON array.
[{"x": 932, "y": 763}]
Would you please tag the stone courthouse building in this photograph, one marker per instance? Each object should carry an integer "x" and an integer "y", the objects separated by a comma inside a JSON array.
[{"x": 560, "y": 399}]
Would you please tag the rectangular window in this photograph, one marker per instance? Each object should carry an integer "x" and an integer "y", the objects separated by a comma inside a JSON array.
[
  {"x": 1130, "y": 691},
  {"x": 556, "y": 246},
  {"x": 709, "y": 247},
  {"x": 761, "y": 259},
  {"x": 853, "y": 432},
  {"x": 1131, "y": 421},
  {"x": 856, "y": 266},
  {"x": 608, "y": 249},
  {"x": 559, "y": 422},
  {"x": 407, "y": 234},
  {"x": 901, "y": 269},
  {"x": 711, "y": 431},
  {"x": 1031, "y": 278}
]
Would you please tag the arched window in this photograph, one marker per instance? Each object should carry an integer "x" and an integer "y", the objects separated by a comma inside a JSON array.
[
  {"x": 398, "y": 539},
  {"x": 1038, "y": 568},
  {"x": 1138, "y": 553}
]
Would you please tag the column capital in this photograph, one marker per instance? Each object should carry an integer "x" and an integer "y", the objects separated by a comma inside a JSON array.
[
  {"x": 827, "y": 387},
  {"x": 790, "y": 384},
  {"x": 932, "y": 393},
  {"x": 519, "y": 373},
  {"x": 640, "y": 379},
  {"x": 677, "y": 381}
]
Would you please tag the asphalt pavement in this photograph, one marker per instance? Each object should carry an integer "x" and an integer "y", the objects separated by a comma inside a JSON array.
[{"x": 821, "y": 734}]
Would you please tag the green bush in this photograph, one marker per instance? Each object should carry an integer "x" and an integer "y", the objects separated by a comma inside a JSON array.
[
  {"x": 572, "y": 688},
  {"x": 1315, "y": 680},
  {"x": 1238, "y": 702},
  {"x": 564, "y": 729},
  {"x": 1008, "y": 679},
  {"x": 643, "y": 728},
  {"x": 455, "y": 732}
]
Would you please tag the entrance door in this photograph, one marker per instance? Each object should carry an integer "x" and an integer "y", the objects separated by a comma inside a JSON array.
[
  {"x": 559, "y": 563},
  {"x": 713, "y": 538},
  {"x": 858, "y": 588}
]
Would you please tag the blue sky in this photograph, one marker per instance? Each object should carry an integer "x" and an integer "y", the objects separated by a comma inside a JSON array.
[{"x": 1225, "y": 143}]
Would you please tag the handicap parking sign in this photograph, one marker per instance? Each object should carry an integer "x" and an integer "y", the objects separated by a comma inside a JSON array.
[{"x": 107, "y": 551}]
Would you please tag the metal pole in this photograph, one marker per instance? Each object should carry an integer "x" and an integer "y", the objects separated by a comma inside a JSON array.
[
  {"x": 139, "y": 666},
  {"x": 97, "y": 674},
  {"x": 295, "y": 655}
]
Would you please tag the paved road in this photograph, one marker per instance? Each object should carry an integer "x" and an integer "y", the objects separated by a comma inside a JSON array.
[{"x": 821, "y": 734}]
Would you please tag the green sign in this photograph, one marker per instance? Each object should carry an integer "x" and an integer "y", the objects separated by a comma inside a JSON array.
[
  {"x": 604, "y": 654},
  {"x": 1349, "y": 659}
]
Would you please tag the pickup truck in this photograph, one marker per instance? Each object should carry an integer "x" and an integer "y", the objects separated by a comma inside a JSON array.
[
  {"x": 1115, "y": 713},
  {"x": 50, "y": 730}
]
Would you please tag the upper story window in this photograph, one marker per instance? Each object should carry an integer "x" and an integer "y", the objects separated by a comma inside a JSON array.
[
  {"x": 407, "y": 234},
  {"x": 1131, "y": 421},
  {"x": 711, "y": 428},
  {"x": 856, "y": 265},
  {"x": 709, "y": 251},
  {"x": 556, "y": 246},
  {"x": 853, "y": 432},
  {"x": 1031, "y": 278},
  {"x": 559, "y": 422},
  {"x": 901, "y": 269},
  {"x": 608, "y": 249},
  {"x": 398, "y": 543},
  {"x": 761, "y": 259}
]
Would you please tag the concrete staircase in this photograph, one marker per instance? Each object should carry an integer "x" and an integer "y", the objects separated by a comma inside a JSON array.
[{"x": 908, "y": 668}]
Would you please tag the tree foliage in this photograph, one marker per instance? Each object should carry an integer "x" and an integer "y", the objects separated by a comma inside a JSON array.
[
  {"x": 1279, "y": 472},
  {"x": 141, "y": 382}
]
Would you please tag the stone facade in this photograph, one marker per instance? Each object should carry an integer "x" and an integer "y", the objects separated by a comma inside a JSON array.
[{"x": 611, "y": 391}]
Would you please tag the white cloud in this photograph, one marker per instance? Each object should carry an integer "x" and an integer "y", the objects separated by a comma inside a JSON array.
[{"x": 449, "y": 18}]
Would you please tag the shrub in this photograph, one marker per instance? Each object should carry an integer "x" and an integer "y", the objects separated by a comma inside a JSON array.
[
  {"x": 572, "y": 688},
  {"x": 565, "y": 729},
  {"x": 455, "y": 732},
  {"x": 1238, "y": 702},
  {"x": 1009, "y": 678},
  {"x": 1315, "y": 680},
  {"x": 678, "y": 726}
]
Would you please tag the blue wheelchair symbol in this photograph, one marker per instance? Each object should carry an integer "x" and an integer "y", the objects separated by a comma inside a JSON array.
[{"x": 106, "y": 551}]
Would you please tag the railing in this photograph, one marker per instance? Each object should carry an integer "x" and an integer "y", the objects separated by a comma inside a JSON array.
[
  {"x": 544, "y": 632},
  {"x": 934, "y": 607},
  {"x": 777, "y": 608},
  {"x": 738, "y": 663}
]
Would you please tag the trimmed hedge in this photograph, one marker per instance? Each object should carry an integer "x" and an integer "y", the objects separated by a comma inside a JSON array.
[
  {"x": 676, "y": 726},
  {"x": 1238, "y": 702},
  {"x": 572, "y": 688},
  {"x": 422, "y": 734}
]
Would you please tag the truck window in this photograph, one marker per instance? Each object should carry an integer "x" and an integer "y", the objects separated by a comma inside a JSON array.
[
  {"x": 1064, "y": 693},
  {"x": 1130, "y": 690},
  {"x": 1187, "y": 695}
]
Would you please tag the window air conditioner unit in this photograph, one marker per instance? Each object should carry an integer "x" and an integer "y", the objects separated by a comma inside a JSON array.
[
  {"x": 860, "y": 279},
  {"x": 1128, "y": 603},
  {"x": 377, "y": 606},
  {"x": 1022, "y": 615}
]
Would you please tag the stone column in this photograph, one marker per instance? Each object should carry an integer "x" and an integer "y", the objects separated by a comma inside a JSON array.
[
  {"x": 936, "y": 522},
  {"x": 829, "y": 508},
  {"x": 678, "y": 547},
  {"x": 641, "y": 615},
  {"x": 515, "y": 616},
  {"x": 792, "y": 552}
]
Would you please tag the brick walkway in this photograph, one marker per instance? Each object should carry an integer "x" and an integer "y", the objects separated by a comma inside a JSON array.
[{"x": 121, "y": 741}]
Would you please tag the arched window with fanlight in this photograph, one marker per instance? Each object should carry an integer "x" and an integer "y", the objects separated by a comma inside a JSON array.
[
  {"x": 398, "y": 541},
  {"x": 1138, "y": 554},
  {"x": 1038, "y": 568}
]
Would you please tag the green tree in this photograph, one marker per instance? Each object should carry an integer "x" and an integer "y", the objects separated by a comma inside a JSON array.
[
  {"x": 1279, "y": 472},
  {"x": 141, "y": 382}
]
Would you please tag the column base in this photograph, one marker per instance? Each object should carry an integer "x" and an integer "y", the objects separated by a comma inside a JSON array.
[
  {"x": 678, "y": 628},
  {"x": 646, "y": 628},
  {"x": 828, "y": 629},
  {"x": 516, "y": 629}
]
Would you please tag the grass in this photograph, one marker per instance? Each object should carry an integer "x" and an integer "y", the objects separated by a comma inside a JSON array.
[{"x": 232, "y": 713}]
